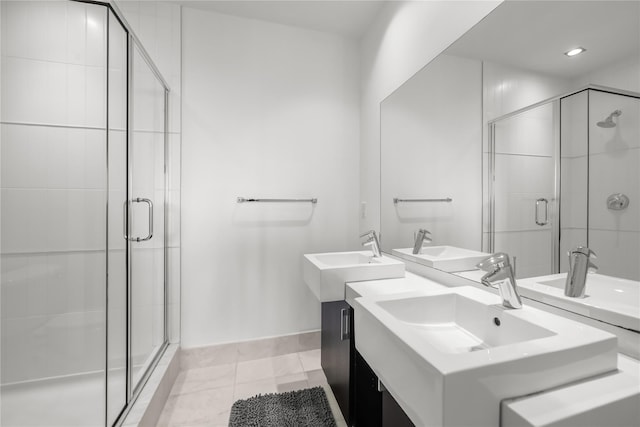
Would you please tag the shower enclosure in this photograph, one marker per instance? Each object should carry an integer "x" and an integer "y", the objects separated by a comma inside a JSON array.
[
  {"x": 563, "y": 173},
  {"x": 82, "y": 234}
]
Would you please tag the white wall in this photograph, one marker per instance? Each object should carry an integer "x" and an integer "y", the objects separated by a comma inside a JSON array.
[
  {"x": 614, "y": 167},
  {"x": 404, "y": 37},
  {"x": 430, "y": 144},
  {"x": 53, "y": 178},
  {"x": 269, "y": 111},
  {"x": 621, "y": 75}
]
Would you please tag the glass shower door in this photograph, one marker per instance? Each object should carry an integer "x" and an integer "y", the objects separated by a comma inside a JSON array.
[
  {"x": 117, "y": 254},
  {"x": 523, "y": 217},
  {"x": 147, "y": 216},
  {"x": 53, "y": 209}
]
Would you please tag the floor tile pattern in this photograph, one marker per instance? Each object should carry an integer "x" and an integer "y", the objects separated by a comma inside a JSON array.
[{"x": 203, "y": 396}]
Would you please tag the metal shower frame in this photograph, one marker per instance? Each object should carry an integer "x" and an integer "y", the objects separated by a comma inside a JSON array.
[
  {"x": 489, "y": 196},
  {"x": 133, "y": 42}
]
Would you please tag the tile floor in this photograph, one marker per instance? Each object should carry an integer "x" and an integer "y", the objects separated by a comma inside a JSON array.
[{"x": 203, "y": 396}]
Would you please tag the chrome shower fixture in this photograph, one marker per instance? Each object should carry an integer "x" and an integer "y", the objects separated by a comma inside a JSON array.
[{"x": 608, "y": 122}]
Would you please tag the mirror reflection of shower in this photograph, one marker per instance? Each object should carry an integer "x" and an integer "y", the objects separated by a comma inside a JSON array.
[{"x": 608, "y": 122}]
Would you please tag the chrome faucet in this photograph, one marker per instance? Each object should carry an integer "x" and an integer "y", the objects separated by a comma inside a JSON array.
[
  {"x": 500, "y": 272},
  {"x": 372, "y": 240},
  {"x": 421, "y": 236},
  {"x": 579, "y": 264}
]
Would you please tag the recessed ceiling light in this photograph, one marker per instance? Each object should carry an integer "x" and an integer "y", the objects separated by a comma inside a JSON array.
[{"x": 576, "y": 51}]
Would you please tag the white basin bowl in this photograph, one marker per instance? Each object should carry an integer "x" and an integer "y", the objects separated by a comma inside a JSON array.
[
  {"x": 608, "y": 299},
  {"x": 449, "y": 358},
  {"x": 445, "y": 258},
  {"x": 453, "y": 323},
  {"x": 327, "y": 273}
]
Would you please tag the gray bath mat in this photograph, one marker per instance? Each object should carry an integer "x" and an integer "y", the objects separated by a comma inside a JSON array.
[{"x": 308, "y": 408}]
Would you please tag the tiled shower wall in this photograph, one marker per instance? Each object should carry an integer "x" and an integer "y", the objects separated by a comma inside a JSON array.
[
  {"x": 53, "y": 181},
  {"x": 614, "y": 167},
  {"x": 596, "y": 163},
  {"x": 53, "y": 189},
  {"x": 524, "y": 172}
]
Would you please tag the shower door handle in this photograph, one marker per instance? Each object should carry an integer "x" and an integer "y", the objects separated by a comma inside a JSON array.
[
  {"x": 546, "y": 212},
  {"x": 150, "y": 232}
]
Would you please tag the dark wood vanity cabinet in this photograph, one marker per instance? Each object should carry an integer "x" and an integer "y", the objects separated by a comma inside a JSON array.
[
  {"x": 353, "y": 382},
  {"x": 337, "y": 348},
  {"x": 392, "y": 413},
  {"x": 368, "y": 400}
]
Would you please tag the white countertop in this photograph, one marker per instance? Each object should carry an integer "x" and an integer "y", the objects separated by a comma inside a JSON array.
[
  {"x": 373, "y": 288},
  {"x": 611, "y": 400}
]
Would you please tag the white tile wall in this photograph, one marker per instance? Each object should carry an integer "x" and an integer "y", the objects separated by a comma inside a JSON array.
[
  {"x": 526, "y": 168},
  {"x": 617, "y": 252},
  {"x": 507, "y": 89},
  {"x": 520, "y": 180},
  {"x": 574, "y": 127},
  {"x": 56, "y": 158},
  {"x": 614, "y": 162},
  {"x": 625, "y": 136},
  {"x": 624, "y": 75},
  {"x": 616, "y": 174},
  {"x": 53, "y": 72},
  {"x": 532, "y": 250},
  {"x": 569, "y": 239},
  {"x": 573, "y": 192},
  {"x": 530, "y": 133}
]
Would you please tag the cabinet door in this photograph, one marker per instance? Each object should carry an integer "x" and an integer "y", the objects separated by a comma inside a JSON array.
[
  {"x": 368, "y": 400},
  {"x": 335, "y": 355},
  {"x": 392, "y": 413}
]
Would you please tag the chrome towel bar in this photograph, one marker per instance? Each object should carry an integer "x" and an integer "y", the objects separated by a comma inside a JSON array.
[
  {"x": 243, "y": 200},
  {"x": 397, "y": 200}
]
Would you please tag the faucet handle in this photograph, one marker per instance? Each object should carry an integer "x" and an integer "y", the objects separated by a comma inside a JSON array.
[
  {"x": 584, "y": 251},
  {"x": 494, "y": 262},
  {"x": 369, "y": 233},
  {"x": 426, "y": 235}
]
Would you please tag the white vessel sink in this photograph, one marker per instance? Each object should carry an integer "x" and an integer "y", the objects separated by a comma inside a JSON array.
[
  {"x": 453, "y": 323},
  {"x": 608, "y": 299},
  {"x": 445, "y": 258},
  {"x": 450, "y": 357},
  {"x": 327, "y": 273}
]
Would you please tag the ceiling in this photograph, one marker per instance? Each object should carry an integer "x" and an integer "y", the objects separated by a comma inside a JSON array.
[
  {"x": 349, "y": 18},
  {"x": 535, "y": 34}
]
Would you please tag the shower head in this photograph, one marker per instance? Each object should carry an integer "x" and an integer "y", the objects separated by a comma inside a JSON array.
[{"x": 608, "y": 122}]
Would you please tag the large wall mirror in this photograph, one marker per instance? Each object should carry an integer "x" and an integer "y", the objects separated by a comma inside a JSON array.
[{"x": 504, "y": 143}]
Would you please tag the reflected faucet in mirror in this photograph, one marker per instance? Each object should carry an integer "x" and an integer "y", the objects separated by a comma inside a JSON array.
[
  {"x": 500, "y": 275},
  {"x": 579, "y": 265},
  {"x": 372, "y": 240},
  {"x": 420, "y": 238}
]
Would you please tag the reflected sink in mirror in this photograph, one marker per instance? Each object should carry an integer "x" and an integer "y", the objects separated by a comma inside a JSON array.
[
  {"x": 608, "y": 299},
  {"x": 436, "y": 350},
  {"x": 326, "y": 274},
  {"x": 445, "y": 258},
  {"x": 345, "y": 258}
]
